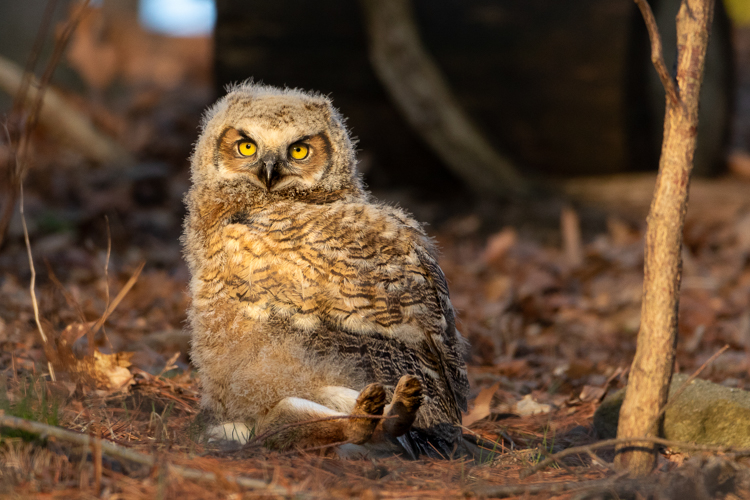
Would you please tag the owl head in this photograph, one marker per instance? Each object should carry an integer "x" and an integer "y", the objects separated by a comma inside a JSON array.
[{"x": 274, "y": 141}]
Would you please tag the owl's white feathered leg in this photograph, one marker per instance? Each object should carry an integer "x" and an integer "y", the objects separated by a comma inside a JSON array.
[{"x": 238, "y": 432}]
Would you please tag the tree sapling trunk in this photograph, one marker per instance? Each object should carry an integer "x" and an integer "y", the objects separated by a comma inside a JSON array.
[{"x": 651, "y": 371}]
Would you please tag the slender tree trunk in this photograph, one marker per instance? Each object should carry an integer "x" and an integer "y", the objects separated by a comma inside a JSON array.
[
  {"x": 652, "y": 367},
  {"x": 419, "y": 90}
]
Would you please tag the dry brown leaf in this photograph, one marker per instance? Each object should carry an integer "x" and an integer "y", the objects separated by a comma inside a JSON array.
[
  {"x": 529, "y": 406},
  {"x": 499, "y": 244},
  {"x": 90, "y": 53},
  {"x": 108, "y": 372},
  {"x": 591, "y": 393},
  {"x": 481, "y": 405}
]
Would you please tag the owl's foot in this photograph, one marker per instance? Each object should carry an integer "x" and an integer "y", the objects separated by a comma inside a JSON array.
[
  {"x": 371, "y": 401},
  {"x": 407, "y": 398}
]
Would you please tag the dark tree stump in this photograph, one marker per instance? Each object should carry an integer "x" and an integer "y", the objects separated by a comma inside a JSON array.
[{"x": 562, "y": 87}]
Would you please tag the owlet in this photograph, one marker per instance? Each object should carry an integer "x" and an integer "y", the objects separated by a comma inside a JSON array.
[{"x": 311, "y": 300}]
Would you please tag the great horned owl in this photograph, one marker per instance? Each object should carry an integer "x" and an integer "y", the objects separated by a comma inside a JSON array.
[{"x": 309, "y": 299}]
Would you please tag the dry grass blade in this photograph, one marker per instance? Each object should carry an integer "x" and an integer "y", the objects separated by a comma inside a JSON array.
[
  {"x": 113, "y": 305},
  {"x": 21, "y": 145},
  {"x": 32, "y": 289},
  {"x": 481, "y": 405},
  {"x": 69, "y": 299},
  {"x": 36, "y": 49},
  {"x": 38, "y": 98}
]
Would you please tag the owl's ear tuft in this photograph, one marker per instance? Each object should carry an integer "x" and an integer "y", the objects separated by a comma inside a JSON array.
[{"x": 322, "y": 107}]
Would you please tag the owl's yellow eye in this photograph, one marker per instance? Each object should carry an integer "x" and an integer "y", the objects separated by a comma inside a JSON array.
[
  {"x": 247, "y": 148},
  {"x": 299, "y": 151}
]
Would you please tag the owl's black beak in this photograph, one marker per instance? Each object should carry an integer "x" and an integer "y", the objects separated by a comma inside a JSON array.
[{"x": 269, "y": 173}]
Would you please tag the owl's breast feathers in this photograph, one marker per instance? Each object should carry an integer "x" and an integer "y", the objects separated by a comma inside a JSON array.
[{"x": 356, "y": 276}]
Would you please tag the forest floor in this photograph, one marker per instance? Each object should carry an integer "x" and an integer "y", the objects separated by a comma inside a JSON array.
[
  {"x": 548, "y": 293},
  {"x": 552, "y": 318}
]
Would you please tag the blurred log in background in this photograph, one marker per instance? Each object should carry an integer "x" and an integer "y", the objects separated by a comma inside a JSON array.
[{"x": 564, "y": 88}]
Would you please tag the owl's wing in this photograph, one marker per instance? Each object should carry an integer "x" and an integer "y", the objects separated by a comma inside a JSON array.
[{"x": 447, "y": 345}]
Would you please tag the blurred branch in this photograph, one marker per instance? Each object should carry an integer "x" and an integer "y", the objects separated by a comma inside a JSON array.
[
  {"x": 419, "y": 90},
  {"x": 62, "y": 119},
  {"x": 36, "y": 50},
  {"x": 49, "y": 108}
]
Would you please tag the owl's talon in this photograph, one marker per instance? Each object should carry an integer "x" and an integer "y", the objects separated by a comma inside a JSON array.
[
  {"x": 407, "y": 398},
  {"x": 371, "y": 401}
]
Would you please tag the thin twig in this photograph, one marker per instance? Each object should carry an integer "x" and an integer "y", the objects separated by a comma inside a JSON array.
[
  {"x": 631, "y": 441},
  {"x": 569, "y": 470},
  {"x": 21, "y": 149},
  {"x": 14, "y": 173},
  {"x": 32, "y": 286},
  {"x": 106, "y": 263},
  {"x": 69, "y": 299},
  {"x": 57, "y": 53},
  {"x": 113, "y": 450},
  {"x": 95, "y": 328},
  {"x": 598, "y": 461},
  {"x": 508, "y": 490},
  {"x": 36, "y": 50},
  {"x": 657, "y": 53},
  {"x": 323, "y": 446}
]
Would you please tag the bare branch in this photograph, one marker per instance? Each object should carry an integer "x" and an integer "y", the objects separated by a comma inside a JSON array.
[
  {"x": 113, "y": 450},
  {"x": 657, "y": 53}
]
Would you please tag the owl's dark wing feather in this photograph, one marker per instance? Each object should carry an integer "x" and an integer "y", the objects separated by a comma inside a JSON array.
[{"x": 451, "y": 346}]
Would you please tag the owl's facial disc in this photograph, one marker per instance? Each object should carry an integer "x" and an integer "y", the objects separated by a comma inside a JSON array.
[{"x": 275, "y": 164}]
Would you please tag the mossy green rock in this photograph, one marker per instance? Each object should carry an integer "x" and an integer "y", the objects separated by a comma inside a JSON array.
[{"x": 705, "y": 413}]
